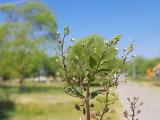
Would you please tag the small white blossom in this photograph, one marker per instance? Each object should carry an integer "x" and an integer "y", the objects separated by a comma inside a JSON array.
[
  {"x": 116, "y": 48},
  {"x": 83, "y": 44},
  {"x": 134, "y": 56},
  {"x": 115, "y": 75},
  {"x": 58, "y": 33},
  {"x": 106, "y": 42},
  {"x": 72, "y": 39},
  {"x": 124, "y": 49}
]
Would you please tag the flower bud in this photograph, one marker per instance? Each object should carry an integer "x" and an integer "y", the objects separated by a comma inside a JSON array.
[
  {"x": 106, "y": 42},
  {"x": 58, "y": 33},
  {"x": 139, "y": 111},
  {"x": 141, "y": 103},
  {"x": 116, "y": 48},
  {"x": 83, "y": 44},
  {"x": 66, "y": 30},
  {"x": 125, "y": 113},
  {"x": 134, "y": 56},
  {"x": 72, "y": 39},
  {"x": 124, "y": 49}
]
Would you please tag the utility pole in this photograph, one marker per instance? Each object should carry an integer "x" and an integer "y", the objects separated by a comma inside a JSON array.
[{"x": 133, "y": 63}]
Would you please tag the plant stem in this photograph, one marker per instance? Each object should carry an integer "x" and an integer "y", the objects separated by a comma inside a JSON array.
[
  {"x": 133, "y": 111},
  {"x": 106, "y": 100},
  {"x": 87, "y": 103}
]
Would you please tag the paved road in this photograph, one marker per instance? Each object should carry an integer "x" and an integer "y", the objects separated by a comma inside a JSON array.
[{"x": 149, "y": 95}]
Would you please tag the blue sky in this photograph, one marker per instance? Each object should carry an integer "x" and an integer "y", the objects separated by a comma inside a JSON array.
[{"x": 135, "y": 20}]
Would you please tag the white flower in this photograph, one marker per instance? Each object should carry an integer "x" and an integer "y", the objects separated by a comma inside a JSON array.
[
  {"x": 115, "y": 75},
  {"x": 72, "y": 39},
  {"x": 58, "y": 33},
  {"x": 133, "y": 56},
  {"x": 106, "y": 42},
  {"x": 116, "y": 48},
  {"x": 124, "y": 49},
  {"x": 83, "y": 44}
]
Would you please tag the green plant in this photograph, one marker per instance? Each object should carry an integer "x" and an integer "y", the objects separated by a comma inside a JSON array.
[{"x": 82, "y": 70}]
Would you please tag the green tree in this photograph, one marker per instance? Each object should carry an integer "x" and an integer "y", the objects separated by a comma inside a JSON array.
[
  {"x": 26, "y": 30},
  {"x": 142, "y": 64}
]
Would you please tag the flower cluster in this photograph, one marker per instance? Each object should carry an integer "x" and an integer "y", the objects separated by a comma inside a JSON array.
[{"x": 134, "y": 111}]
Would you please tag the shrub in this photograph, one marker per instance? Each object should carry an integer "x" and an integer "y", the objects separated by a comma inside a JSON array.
[{"x": 84, "y": 68}]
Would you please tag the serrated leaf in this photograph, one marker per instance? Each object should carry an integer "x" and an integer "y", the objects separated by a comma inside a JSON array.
[
  {"x": 103, "y": 70},
  {"x": 106, "y": 61},
  {"x": 130, "y": 48},
  {"x": 77, "y": 107},
  {"x": 90, "y": 77},
  {"x": 115, "y": 40},
  {"x": 95, "y": 93},
  {"x": 92, "y": 62}
]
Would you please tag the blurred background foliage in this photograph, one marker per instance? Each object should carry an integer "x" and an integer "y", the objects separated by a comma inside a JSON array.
[{"x": 25, "y": 33}]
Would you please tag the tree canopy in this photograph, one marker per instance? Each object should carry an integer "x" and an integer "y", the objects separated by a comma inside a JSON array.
[{"x": 25, "y": 30}]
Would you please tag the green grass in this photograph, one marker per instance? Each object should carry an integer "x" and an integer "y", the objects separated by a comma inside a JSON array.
[
  {"x": 148, "y": 81},
  {"x": 39, "y": 102}
]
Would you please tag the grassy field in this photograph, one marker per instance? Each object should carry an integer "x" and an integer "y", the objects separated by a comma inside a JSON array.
[
  {"x": 39, "y": 102},
  {"x": 148, "y": 81}
]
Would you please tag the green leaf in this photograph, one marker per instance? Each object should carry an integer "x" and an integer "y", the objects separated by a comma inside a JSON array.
[
  {"x": 106, "y": 110},
  {"x": 92, "y": 62},
  {"x": 106, "y": 61},
  {"x": 130, "y": 48},
  {"x": 115, "y": 40},
  {"x": 90, "y": 77},
  {"x": 72, "y": 92},
  {"x": 103, "y": 70},
  {"x": 77, "y": 107},
  {"x": 95, "y": 93},
  {"x": 66, "y": 30}
]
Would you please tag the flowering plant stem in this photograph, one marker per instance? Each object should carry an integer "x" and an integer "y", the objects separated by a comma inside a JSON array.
[{"x": 88, "y": 66}]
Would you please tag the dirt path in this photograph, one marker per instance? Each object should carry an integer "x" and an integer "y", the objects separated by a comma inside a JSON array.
[{"x": 148, "y": 95}]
